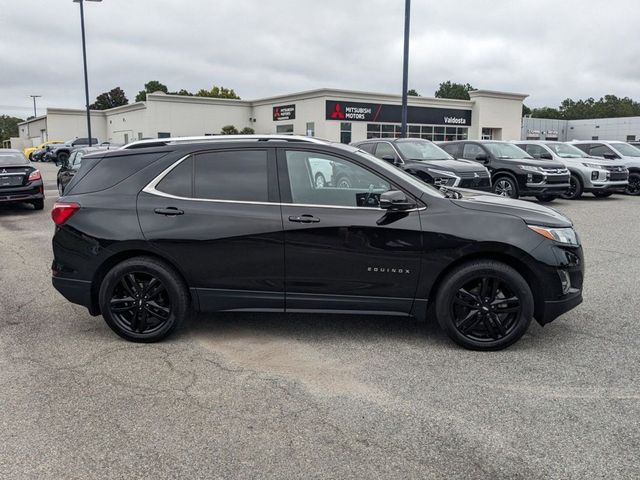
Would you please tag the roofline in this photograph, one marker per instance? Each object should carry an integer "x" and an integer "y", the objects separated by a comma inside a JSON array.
[
  {"x": 497, "y": 94},
  {"x": 34, "y": 119},
  {"x": 152, "y": 142},
  {"x": 166, "y": 97}
]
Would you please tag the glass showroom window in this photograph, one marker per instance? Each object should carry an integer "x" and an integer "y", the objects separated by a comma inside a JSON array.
[
  {"x": 345, "y": 132},
  {"x": 487, "y": 134},
  {"x": 426, "y": 132},
  {"x": 285, "y": 129}
]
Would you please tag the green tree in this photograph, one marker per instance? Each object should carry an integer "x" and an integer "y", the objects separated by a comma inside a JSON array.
[
  {"x": 9, "y": 127},
  {"x": 413, "y": 92},
  {"x": 113, "y": 98},
  {"x": 454, "y": 90},
  {"x": 229, "y": 130},
  {"x": 525, "y": 110},
  {"x": 217, "y": 92},
  {"x": 247, "y": 131},
  {"x": 151, "y": 87},
  {"x": 182, "y": 92},
  {"x": 546, "y": 112}
]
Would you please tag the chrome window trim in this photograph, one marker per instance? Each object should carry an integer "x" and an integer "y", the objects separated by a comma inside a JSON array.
[{"x": 152, "y": 190}]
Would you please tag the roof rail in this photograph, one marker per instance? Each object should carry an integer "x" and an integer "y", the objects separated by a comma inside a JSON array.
[{"x": 159, "y": 142}]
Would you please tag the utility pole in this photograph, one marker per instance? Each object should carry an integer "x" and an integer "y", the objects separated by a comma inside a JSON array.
[
  {"x": 405, "y": 68},
  {"x": 35, "y": 111}
]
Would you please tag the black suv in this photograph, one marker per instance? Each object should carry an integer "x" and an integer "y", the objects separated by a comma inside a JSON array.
[
  {"x": 429, "y": 162},
  {"x": 150, "y": 233},
  {"x": 19, "y": 180},
  {"x": 514, "y": 173}
]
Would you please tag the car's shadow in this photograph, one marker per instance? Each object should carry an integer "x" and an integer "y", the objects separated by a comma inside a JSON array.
[{"x": 10, "y": 209}]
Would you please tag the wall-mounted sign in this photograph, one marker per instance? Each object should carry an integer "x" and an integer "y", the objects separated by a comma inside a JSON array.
[
  {"x": 284, "y": 112},
  {"x": 377, "y": 112}
]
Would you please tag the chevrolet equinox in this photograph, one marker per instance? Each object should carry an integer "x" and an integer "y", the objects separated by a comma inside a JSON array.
[{"x": 147, "y": 234}]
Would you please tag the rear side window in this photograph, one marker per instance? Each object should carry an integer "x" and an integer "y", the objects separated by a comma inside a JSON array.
[
  {"x": 179, "y": 181},
  {"x": 240, "y": 175}
]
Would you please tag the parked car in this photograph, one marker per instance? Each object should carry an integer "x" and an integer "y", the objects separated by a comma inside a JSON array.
[
  {"x": 145, "y": 235},
  {"x": 588, "y": 174},
  {"x": 28, "y": 152},
  {"x": 59, "y": 153},
  {"x": 20, "y": 182},
  {"x": 514, "y": 173},
  {"x": 616, "y": 151},
  {"x": 428, "y": 162},
  {"x": 634, "y": 143},
  {"x": 69, "y": 167}
]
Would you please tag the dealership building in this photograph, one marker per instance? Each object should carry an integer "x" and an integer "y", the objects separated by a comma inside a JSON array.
[{"x": 337, "y": 115}]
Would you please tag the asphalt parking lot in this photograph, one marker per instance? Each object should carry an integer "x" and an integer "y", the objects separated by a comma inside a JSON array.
[{"x": 302, "y": 396}]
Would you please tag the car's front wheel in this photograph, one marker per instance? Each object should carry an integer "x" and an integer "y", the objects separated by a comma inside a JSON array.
[
  {"x": 574, "y": 192},
  {"x": 505, "y": 187},
  {"x": 484, "y": 305},
  {"x": 602, "y": 194},
  {"x": 62, "y": 157},
  {"x": 546, "y": 198},
  {"x": 634, "y": 184},
  {"x": 143, "y": 299}
]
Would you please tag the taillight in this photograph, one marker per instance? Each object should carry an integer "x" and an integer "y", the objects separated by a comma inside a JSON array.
[
  {"x": 63, "y": 211},
  {"x": 35, "y": 175}
]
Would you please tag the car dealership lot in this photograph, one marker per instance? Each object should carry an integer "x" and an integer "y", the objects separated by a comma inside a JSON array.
[{"x": 302, "y": 396}]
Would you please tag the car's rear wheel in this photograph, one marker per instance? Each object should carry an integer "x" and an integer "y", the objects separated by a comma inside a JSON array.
[
  {"x": 546, "y": 198},
  {"x": 484, "y": 305},
  {"x": 634, "y": 184},
  {"x": 343, "y": 182},
  {"x": 575, "y": 189},
  {"x": 602, "y": 194},
  {"x": 143, "y": 299},
  {"x": 505, "y": 187},
  {"x": 62, "y": 157},
  {"x": 321, "y": 182}
]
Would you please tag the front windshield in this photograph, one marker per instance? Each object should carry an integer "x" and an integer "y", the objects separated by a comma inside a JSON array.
[
  {"x": 626, "y": 149},
  {"x": 421, "y": 150},
  {"x": 564, "y": 150},
  {"x": 398, "y": 171},
  {"x": 506, "y": 150},
  {"x": 13, "y": 158}
]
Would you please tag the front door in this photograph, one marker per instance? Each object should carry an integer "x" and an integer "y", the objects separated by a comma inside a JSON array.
[
  {"x": 342, "y": 252},
  {"x": 216, "y": 216}
]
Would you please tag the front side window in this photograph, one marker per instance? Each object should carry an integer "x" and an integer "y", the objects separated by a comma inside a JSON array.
[
  {"x": 350, "y": 185},
  {"x": 471, "y": 151},
  {"x": 600, "y": 151},
  {"x": 535, "y": 151},
  {"x": 421, "y": 150},
  {"x": 384, "y": 149},
  {"x": 627, "y": 150}
]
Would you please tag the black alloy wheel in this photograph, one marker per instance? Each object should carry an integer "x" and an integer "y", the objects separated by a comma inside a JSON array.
[
  {"x": 545, "y": 198},
  {"x": 634, "y": 184},
  {"x": 574, "y": 191},
  {"x": 602, "y": 194},
  {"x": 62, "y": 157},
  {"x": 143, "y": 299},
  {"x": 505, "y": 187},
  {"x": 484, "y": 305}
]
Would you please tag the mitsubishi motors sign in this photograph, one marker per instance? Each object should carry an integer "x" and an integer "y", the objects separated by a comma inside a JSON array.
[
  {"x": 379, "y": 112},
  {"x": 284, "y": 112}
]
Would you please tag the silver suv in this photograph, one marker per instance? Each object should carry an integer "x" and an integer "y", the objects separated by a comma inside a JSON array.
[
  {"x": 588, "y": 174},
  {"x": 616, "y": 150}
]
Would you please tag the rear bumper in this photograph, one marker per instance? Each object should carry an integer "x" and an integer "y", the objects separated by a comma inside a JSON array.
[
  {"x": 21, "y": 194},
  {"x": 75, "y": 291}
]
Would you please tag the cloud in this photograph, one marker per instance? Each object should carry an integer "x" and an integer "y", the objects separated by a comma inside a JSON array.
[{"x": 549, "y": 49}]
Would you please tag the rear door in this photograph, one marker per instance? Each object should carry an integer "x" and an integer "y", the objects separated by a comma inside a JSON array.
[
  {"x": 217, "y": 216},
  {"x": 342, "y": 252}
]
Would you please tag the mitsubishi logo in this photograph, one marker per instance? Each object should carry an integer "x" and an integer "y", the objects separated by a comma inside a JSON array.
[
  {"x": 475, "y": 175},
  {"x": 4, "y": 170},
  {"x": 337, "y": 113}
]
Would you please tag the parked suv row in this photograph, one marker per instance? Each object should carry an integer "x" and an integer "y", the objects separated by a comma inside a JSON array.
[
  {"x": 146, "y": 234},
  {"x": 514, "y": 173}
]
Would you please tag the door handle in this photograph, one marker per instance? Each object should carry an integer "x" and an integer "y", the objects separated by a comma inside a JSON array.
[
  {"x": 169, "y": 211},
  {"x": 304, "y": 219}
]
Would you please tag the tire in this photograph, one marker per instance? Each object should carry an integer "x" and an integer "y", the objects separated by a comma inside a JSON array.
[
  {"x": 320, "y": 181},
  {"x": 575, "y": 190},
  {"x": 62, "y": 157},
  {"x": 476, "y": 323},
  {"x": 506, "y": 187},
  {"x": 546, "y": 198},
  {"x": 143, "y": 299},
  {"x": 343, "y": 182},
  {"x": 31, "y": 157},
  {"x": 38, "y": 204},
  {"x": 602, "y": 194},
  {"x": 634, "y": 184}
]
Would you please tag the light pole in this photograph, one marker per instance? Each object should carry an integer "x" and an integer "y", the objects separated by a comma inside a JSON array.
[
  {"x": 35, "y": 112},
  {"x": 84, "y": 60},
  {"x": 405, "y": 68}
]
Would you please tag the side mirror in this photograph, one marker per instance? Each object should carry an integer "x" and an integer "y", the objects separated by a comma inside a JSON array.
[
  {"x": 546, "y": 156},
  {"x": 395, "y": 201},
  {"x": 610, "y": 156},
  {"x": 391, "y": 159},
  {"x": 482, "y": 157}
]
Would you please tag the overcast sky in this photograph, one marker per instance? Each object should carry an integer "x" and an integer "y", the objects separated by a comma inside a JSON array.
[{"x": 549, "y": 49}]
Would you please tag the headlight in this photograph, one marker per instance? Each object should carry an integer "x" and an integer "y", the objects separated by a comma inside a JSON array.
[
  {"x": 593, "y": 165},
  {"x": 530, "y": 168},
  {"x": 561, "y": 235}
]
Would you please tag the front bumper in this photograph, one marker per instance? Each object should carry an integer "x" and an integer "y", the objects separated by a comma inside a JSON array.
[
  {"x": 607, "y": 186},
  {"x": 552, "y": 309}
]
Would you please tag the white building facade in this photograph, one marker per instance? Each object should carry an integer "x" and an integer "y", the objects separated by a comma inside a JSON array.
[
  {"x": 336, "y": 115},
  {"x": 625, "y": 129}
]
